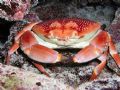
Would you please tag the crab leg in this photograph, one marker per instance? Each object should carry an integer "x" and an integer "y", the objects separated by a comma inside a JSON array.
[
  {"x": 99, "y": 67},
  {"x": 41, "y": 68},
  {"x": 28, "y": 27},
  {"x": 114, "y": 53},
  {"x": 14, "y": 48}
]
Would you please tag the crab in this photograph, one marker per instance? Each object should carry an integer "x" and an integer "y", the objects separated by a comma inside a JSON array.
[{"x": 38, "y": 40}]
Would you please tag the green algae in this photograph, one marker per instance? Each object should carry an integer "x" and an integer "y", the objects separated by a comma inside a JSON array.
[{"x": 10, "y": 82}]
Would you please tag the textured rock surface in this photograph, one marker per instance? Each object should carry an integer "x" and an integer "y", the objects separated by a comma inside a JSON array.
[
  {"x": 60, "y": 10},
  {"x": 12, "y": 78},
  {"x": 116, "y": 1},
  {"x": 89, "y": 2},
  {"x": 82, "y": 3},
  {"x": 102, "y": 84},
  {"x": 114, "y": 30},
  {"x": 51, "y": 11},
  {"x": 15, "y": 9}
]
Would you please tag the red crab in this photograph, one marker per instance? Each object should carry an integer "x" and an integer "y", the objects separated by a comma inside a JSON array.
[{"x": 38, "y": 41}]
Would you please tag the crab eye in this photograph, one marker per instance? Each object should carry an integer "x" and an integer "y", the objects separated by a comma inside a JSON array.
[
  {"x": 71, "y": 25},
  {"x": 55, "y": 25}
]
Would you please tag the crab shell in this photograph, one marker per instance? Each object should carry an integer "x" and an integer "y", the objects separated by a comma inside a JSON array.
[
  {"x": 38, "y": 41},
  {"x": 66, "y": 33}
]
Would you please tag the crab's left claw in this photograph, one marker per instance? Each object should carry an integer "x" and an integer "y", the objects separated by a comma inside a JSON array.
[
  {"x": 99, "y": 48},
  {"x": 96, "y": 49},
  {"x": 88, "y": 54}
]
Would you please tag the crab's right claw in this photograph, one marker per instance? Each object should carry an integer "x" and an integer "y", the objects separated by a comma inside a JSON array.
[
  {"x": 37, "y": 52},
  {"x": 42, "y": 54},
  {"x": 15, "y": 46},
  {"x": 31, "y": 47}
]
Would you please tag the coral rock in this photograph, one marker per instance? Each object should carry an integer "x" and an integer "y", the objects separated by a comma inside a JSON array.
[
  {"x": 114, "y": 30},
  {"x": 14, "y": 9}
]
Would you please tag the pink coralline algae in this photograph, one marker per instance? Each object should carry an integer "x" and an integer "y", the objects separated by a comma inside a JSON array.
[
  {"x": 14, "y": 9},
  {"x": 115, "y": 30}
]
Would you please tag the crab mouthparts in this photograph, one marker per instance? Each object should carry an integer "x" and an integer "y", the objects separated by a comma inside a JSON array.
[{"x": 64, "y": 41}]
